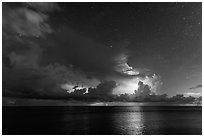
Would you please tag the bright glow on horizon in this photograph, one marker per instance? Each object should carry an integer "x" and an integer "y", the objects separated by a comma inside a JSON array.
[{"x": 127, "y": 86}]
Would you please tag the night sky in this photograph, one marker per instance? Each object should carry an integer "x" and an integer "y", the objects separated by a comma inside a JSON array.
[{"x": 52, "y": 49}]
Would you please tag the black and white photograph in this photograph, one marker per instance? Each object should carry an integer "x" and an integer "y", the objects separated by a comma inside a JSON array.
[{"x": 101, "y": 68}]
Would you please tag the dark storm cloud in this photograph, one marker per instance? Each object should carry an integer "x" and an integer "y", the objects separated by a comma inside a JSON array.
[
  {"x": 53, "y": 80},
  {"x": 25, "y": 22},
  {"x": 24, "y": 76},
  {"x": 41, "y": 83},
  {"x": 195, "y": 87},
  {"x": 67, "y": 46},
  {"x": 81, "y": 51},
  {"x": 26, "y": 59},
  {"x": 50, "y": 49},
  {"x": 105, "y": 88},
  {"x": 43, "y": 6},
  {"x": 103, "y": 91}
]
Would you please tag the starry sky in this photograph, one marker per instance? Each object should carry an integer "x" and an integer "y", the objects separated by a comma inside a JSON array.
[{"x": 51, "y": 49}]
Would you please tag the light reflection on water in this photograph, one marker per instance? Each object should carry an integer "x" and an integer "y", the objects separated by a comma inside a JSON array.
[
  {"x": 131, "y": 120},
  {"x": 130, "y": 123},
  {"x": 103, "y": 120}
]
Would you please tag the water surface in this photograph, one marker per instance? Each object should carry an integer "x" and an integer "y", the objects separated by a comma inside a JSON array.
[{"x": 102, "y": 120}]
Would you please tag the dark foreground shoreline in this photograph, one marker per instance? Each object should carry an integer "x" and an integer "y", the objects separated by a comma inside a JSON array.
[{"x": 102, "y": 120}]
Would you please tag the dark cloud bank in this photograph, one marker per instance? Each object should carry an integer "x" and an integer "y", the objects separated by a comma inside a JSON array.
[{"x": 42, "y": 63}]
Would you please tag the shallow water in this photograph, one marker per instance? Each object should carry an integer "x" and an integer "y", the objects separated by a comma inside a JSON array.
[{"x": 100, "y": 120}]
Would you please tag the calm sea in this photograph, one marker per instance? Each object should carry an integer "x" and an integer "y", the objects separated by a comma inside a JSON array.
[{"x": 102, "y": 120}]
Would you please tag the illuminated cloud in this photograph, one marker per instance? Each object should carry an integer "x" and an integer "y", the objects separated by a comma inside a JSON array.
[
  {"x": 194, "y": 94},
  {"x": 122, "y": 65},
  {"x": 195, "y": 91},
  {"x": 154, "y": 82},
  {"x": 143, "y": 90},
  {"x": 126, "y": 85},
  {"x": 129, "y": 85}
]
